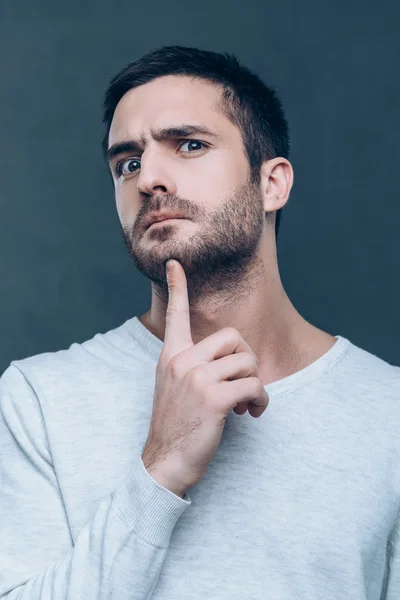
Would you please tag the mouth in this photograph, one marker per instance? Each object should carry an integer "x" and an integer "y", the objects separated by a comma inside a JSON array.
[
  {"x": 160, "y": 221},
  {"x": 167, "y": 221}
]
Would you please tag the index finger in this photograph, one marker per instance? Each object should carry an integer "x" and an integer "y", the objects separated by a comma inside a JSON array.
[{"x": 178, "y": 336}]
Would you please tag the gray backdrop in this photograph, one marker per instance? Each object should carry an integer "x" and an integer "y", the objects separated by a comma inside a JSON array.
[{"x": 64, "y": 271}]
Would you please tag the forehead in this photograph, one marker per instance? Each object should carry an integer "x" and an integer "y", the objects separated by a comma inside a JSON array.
[{"x": 166, "y": 101}]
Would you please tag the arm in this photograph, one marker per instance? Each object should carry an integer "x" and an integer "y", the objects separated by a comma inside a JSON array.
[{"x": 118, "y": 554}]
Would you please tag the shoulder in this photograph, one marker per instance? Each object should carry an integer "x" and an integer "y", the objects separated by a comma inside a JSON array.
[{"x": 49, "y": 369}]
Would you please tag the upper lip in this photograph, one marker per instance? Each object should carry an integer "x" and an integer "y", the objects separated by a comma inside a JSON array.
[{"x": 161, "y": 216}]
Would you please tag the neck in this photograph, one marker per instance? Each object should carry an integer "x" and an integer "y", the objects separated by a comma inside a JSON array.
[{"x": 259, "y": 308}]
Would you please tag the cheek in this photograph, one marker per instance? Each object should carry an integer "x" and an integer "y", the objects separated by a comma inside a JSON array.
[
  {"x": 119, "y": 205},
  {"x": 225, "y": 174},
  {"x": 215, "y": 178},
  {"x": 126, "y": 207}
]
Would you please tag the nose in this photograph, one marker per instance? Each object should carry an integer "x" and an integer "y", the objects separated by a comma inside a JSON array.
[{"x": 156, "y": 175}]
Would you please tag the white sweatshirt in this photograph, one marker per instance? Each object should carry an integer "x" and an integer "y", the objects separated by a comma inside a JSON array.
[{"x": 299, "y": 504}]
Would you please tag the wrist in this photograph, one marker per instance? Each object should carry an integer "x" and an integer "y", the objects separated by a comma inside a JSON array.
[
  {"x": 161, "y": 475},
  {"x": 166, "y": 482}
]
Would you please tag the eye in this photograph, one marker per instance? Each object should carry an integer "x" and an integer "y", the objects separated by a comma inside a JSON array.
[
  {"x": 127, "y": 166},
  {"x": 193, "y": 142}
]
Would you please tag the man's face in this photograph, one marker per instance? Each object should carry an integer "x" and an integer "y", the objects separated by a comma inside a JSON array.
[{"x": 203, "y": 176}]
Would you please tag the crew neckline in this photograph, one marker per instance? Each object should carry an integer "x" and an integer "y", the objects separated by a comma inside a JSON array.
[{"x": 153, "y": 346}]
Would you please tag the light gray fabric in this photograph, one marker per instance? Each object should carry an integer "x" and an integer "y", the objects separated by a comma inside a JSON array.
[{"x": 301, "y": 503}]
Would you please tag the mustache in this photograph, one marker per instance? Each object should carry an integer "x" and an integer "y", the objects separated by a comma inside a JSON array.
[{"x": 167, "y": 202}]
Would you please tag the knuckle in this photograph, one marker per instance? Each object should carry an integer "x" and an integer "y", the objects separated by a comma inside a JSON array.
[
  {"x": 232, "y": 332},
  {"x": 175, "y": 367},
  {"x": 248, "y": 362},
  {"x": 171, "y": 279},
  {"x": 196, "y": 378},
  {"x": 256, "y": 386},
  {"x": 260, "y": 388},
  {"x": 252, "y": 361}
]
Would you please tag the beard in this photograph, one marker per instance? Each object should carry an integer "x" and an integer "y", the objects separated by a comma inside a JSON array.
[{"x": 219, "y": 258}]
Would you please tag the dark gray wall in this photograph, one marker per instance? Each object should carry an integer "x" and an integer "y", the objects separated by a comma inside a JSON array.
[{"x": 64, "y": 271}]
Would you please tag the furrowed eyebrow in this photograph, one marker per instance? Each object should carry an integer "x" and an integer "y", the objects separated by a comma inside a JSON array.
[{"x": 159, "y": 135}]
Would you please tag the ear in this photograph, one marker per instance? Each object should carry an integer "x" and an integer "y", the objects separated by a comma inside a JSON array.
[{"x": 276, "y": 182}]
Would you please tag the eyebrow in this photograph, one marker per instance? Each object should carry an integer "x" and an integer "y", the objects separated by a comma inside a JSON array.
[{"x": 159, "y": 135}]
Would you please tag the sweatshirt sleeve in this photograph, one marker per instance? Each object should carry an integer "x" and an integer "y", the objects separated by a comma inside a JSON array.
[
  {"x": 393, "y": 571},
  {"x": 118, "y": 554}
]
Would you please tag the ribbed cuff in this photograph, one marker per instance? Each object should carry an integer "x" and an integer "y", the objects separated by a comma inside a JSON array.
[{"x": 146, "y": 507}]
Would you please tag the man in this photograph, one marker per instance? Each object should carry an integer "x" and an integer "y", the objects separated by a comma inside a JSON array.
[{"x": 301, "y": 502}]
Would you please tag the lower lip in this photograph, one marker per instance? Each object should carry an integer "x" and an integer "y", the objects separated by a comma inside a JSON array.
[{"x": 164, "y": 221}]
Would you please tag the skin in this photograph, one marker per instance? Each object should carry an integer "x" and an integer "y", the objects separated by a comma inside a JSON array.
[{"x": 226, "y": 245}]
